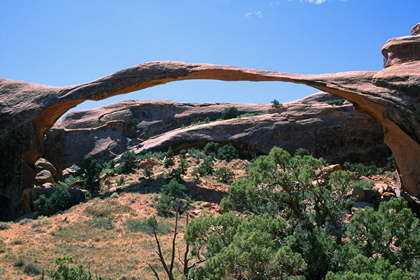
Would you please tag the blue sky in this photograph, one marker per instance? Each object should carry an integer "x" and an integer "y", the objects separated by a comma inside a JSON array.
[{"x": 65, "y": 42}]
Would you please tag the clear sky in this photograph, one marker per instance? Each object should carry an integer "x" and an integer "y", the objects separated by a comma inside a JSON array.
[{"x": 66, "y": 42}]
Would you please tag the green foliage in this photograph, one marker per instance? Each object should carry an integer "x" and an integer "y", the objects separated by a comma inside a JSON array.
[
  {"x": 32, "y": 269},
  {"x": 148, "y": 171},
  {"x": 174, "y": 198},
  {"x": 224, "y": 175},
  {"x": 196, "y": 153},
  {"x": 101, "y": 223},
  {"x": 305, "y": 102},
  {"x": 364, "y": 184},
  {"x": 361, "y": 169},
  {"x": 66, "y": 271},
  {"x": 146, "y": 226},
  {"x": 47, "y": 205},
  {"x": 252, "y": 114},
  {"x": 392, "y": 232},
  {"x": 146, "y": 154},
  {"x": 292, "y": 226},
  {"x": 227, "y": 153},
  {"x": 230, "y": 113},
  {"x": 120, "y": 181},
  {"x": 88, "y": 173},
  {"x": 337, "y": 102},
  {"x": 168, "y": 162},
  {"x": 206, "y": 168},
  {"x": 302, "y": 152},
  {"x": 4, "y": 226},
  {"x": 390, "y": 162},
  {"x": 127, "y": 163},
  {"x": 276, "y": 104},
  {"x": 211, "y": 149},
  {"x": 206, "y": 120}
]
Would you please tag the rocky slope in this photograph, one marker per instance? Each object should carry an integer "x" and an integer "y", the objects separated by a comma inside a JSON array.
[
  {"x": 390, "y": 96},
  {"x": 338, "y": 133}
]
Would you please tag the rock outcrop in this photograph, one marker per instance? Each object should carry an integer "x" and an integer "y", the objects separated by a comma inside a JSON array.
[
  {"x": 337, "y": 133},
  {"x": 390, "y": 96}
]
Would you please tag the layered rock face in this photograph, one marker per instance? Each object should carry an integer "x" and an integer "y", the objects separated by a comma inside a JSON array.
[
  {"x": 338, "y": 133},
  {"x": 390, "y": 96}
]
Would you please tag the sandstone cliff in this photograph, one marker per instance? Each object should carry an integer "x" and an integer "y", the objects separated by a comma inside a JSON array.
[
  {"x": 337, "y": 133},
  {"x": 390, "y": 96}
]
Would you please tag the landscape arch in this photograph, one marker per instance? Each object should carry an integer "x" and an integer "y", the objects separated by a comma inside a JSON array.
[{"x": 390, "y": 96}]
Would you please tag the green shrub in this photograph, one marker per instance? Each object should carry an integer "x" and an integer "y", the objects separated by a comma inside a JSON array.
[
  {"x": 4, "y": 226},
  {"x": 210, "y": 149},
  {"x": 230, "y": 113},
  {"x": 276, "y": 104},
  {"x": 58, "y": 200},
  {"x": 16, "y": 241},
  {"x": 337, "y": 102},
  {"x": 196, "y": 153},
  {"x": 41, "y": 221},
  {"x": 65, "y": 271},
  {"x": 168, "y": 162},
  {"x": 148, "y": 171},
  {"x": 88, "y": 173},
  {"x": 227, "y": 153},
  {"x": 252, "y": 114},
  {"x": 143, "y": 225},
  {"x": 364, "y": 184},
  {"x": 361, "y": 169},
  {"x": 302, "y": 152},
  {"x": 206, "y": 168},
  {"x": 32, "y": 269},
  {"x": 101, "y": 223},
  {"x": 127, "y": 163},
  {"x": 224, "y": 175}
]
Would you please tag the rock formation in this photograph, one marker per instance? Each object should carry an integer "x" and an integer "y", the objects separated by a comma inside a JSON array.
[
  {"x": 390, "y": 96},
  {"x": 337, "y": 133}
]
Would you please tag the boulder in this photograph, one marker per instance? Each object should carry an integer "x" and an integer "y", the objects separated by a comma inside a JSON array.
[
  {"x": 42, "y": 164},
  {"x": 359, "y": 194},
  {"x": 361, "y": 205},
  {"x": 43, "y": 177},
  {"x": 390, "y": 96},
  {"x": 326, "y": 171}
]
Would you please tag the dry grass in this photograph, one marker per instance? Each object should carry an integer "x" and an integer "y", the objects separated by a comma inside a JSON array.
[{"x": 94, "y": 233}]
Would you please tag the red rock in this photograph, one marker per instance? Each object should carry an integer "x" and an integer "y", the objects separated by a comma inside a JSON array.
[{"x": 390, "y": 96}]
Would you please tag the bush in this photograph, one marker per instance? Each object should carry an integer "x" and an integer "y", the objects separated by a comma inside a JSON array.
[
  {"x": 58, "y": 200},
  {"x": 168, "y": 162},
  {"x": 211, "y": 149},
  {"x": 364, "y": 184},
  {"x": 31, "y": 269},
  {"x": 227, "y": 153},
  {"x": 4, "y": 226},
  {"x": 206, "y": 168},
  {"x": 88, "y": 173},
  {"x": 302, "y": 152},
  {"x": 127, "y": 163},
  {"x": 148, "y": 171},
  {"x": 102, "y": 223},
  {"x": 65, "y": 271},
  {"x": 337, "y": 102},
  {"x": 276, "y": 104},
  {"x": 230, "y": 113},
  {"x": 224, "y": 175},
  {"x": 361, "y": 169}
]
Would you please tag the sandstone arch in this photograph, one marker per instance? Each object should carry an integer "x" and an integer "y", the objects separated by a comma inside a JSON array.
[{"x": 390, "y": 96}]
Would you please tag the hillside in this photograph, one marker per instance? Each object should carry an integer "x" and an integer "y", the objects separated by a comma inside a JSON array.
[{"x": 95, "y": 233}]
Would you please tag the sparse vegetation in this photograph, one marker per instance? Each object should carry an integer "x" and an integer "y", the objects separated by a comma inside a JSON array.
[
  {"x": 4, "y": 226},
  {"x": 337, "y": 102},
  {"x": 279, "y": 221}
]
